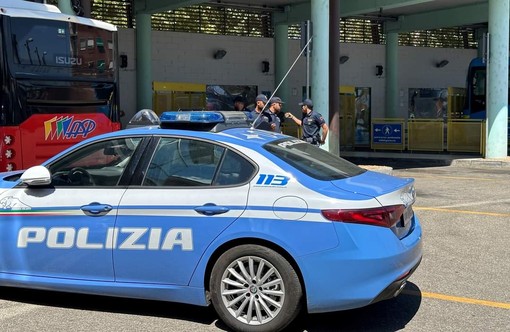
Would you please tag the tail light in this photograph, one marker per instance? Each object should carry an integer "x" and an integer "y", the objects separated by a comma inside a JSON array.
[{"x": 382, "y": 216}]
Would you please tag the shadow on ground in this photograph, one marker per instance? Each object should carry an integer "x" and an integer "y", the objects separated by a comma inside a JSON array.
[
  {"x": 399, "y": 163},
  {"x": 389, "y": 315}
]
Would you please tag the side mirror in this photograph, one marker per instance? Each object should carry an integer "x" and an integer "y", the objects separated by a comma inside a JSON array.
[{"x": 36, "y": 176}]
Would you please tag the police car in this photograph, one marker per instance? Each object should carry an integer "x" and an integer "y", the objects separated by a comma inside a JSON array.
[{"x": 261, "y": 225}]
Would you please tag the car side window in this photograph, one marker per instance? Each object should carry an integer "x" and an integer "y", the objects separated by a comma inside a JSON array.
[
  {"x": 183, "y": 162},
  {"x": 234, "y": 170},
  {"x": 98, "y": 164}
]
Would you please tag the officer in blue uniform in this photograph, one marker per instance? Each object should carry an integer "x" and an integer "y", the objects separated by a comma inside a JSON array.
[
  {"x": 310, "y": 123},
  {"x": 275, "y": 106},
  {"x": 258, "y": 114}
]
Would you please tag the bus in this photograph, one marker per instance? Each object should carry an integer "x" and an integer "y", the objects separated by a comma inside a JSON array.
[
  {"x": 476, "y": 90},
  {"x": 476, "y": 94},
  {"x": 59, "y": 82}
]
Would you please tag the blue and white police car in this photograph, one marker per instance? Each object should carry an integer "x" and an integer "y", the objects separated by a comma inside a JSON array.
[{"x": 261, "y": 225}]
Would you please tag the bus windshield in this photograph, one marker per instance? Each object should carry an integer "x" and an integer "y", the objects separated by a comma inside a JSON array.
[
  {"x": 59, "y": 49},
  {"x": 477, "y": 89},
  {"x": 59, "y": 82}
]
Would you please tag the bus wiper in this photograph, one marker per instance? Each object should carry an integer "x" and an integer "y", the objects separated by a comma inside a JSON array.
[
  {"x": 27, "y": 45},
  {"x": 37, "y": 53},
  {"x": 16, "y": 50}
]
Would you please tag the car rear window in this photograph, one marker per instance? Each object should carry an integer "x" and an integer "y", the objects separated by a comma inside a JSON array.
[{"x": 312, "y": 160}]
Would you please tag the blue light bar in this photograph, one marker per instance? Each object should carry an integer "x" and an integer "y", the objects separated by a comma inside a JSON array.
[{"x": 192, "y": 117}]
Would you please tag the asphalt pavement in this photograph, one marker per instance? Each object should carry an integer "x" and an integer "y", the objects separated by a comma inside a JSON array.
[
  {"x": 462, "y": 283},
  {"x": 395, "y": 160}
]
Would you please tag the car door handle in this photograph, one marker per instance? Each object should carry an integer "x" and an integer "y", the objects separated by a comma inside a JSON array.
[
  {"x": 96, "y": 209},
  {"x": 211, "y": 209}
]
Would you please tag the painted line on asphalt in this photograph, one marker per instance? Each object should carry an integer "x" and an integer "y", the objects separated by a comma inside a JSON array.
[
  {"x": 500, "y": 305},
  {"x": 482, "y": 203},
  {"x": 16, "y": 310},
  {"x": 418, "y": 176},
  {"x": 492, "y": 214}
]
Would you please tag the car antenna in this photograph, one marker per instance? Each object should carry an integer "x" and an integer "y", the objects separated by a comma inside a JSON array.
[{"x": 281, "y": 82}]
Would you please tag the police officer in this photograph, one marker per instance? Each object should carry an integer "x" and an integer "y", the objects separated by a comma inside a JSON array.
[
  {"x": 275, "y": 106},
  {"x": 257, "y": 115},
  {"x": 311, "y": 123},
  {"x": 240, "y": 104}
]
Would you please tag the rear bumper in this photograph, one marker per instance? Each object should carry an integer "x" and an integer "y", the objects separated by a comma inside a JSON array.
[
  {"x": 394, "y": 289},
  {"x": 370, "y": 264}
]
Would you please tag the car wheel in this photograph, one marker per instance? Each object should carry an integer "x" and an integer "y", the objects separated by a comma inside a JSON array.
[{"x": 253, "y": 288}]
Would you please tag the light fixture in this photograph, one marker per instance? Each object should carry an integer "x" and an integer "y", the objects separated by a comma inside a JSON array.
[
  {"x": 442, "y": 63},
  {"x": 344, "y": 59},
  {"x": 378, "y": 70},
  {"x": 265, "y": 66},
  {"x": 220, "y": 54},
  {"x": 123, "y": 61}
]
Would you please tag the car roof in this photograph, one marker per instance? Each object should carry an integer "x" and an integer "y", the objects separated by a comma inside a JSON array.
[
  {"x": 250, "y": 138},
  {"x": 241, "y": 136}
]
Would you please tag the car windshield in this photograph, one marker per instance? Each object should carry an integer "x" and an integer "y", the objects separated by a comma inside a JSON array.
[{"x": 313, "y": 161}]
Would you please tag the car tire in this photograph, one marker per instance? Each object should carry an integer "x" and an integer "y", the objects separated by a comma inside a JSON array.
[{"x": 269, "y": 301}]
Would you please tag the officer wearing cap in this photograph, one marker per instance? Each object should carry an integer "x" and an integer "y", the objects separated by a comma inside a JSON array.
[
  {"x": 240, "y": 104},
  {"x": 275, "y": 106},
  {"x": 311, "y": 123},
  {"x": 260, "y": 102}
]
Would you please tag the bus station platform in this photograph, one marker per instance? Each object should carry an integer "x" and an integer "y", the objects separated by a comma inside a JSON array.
[{"x": 401, "y": 160}]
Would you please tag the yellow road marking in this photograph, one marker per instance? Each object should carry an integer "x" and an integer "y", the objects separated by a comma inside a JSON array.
[
  {"x": 450, "y": 298},
  {"x": 493, "y": 214},
  {"x": 419, "y": 176}
]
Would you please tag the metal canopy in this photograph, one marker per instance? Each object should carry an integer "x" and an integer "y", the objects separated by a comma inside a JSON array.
[{"x": 400, "y": 15}]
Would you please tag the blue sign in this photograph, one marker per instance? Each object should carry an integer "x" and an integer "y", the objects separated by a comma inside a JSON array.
[{"x": 387, "y": 133}]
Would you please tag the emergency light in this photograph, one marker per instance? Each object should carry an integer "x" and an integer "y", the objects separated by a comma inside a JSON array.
[
  {"x": 204, "y": 120},
  {"x": 192, "y": 117}
]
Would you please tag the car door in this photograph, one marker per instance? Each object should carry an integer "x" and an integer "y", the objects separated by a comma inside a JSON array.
[
  {"x": 66, "y": 229},
  {"x": 192, "y": 190}
]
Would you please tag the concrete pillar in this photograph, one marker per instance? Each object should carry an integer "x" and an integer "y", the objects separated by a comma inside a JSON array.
[
  {"x": 320, "y": 60},
  {"x": 143, "y": 61},
  {"x": 497, "y": 74},
  {"x": 281, "y": 55},
  {"x": 65, "y": 7},
  {"x": 334, "y": 78},
  {"x": 391, "y": 69}
]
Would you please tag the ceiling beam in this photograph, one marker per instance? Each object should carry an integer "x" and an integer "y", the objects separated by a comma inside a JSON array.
[
  {"x": 458, "y": 16},
  {"x": 359, "y": 7},
  {"x": 300, "y": 12},
  {"x": 159, "y": 6},
  {"x": 293, "y": 14}
]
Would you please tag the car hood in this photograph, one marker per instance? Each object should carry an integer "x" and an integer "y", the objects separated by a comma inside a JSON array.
[
  {"x": 9, "y": 180},
  {"x": 372, "y": 184}
]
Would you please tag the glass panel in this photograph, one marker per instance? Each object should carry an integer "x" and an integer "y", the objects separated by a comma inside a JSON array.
[
  {"x": 99, "y": 164},
  {"x": 234, "y": 170},
  {"x": 312, "y": 160},
  {"x": 183, "y": 163},
  {"x": 54, "y": 48}
]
